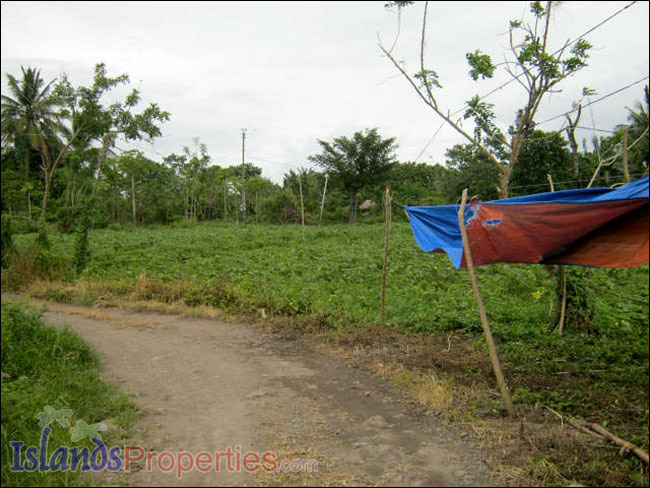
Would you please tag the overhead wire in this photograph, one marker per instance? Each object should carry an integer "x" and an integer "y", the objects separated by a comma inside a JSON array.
[
  {"x": 500, "y": 87},
  {"x": 595, "y": 101}
]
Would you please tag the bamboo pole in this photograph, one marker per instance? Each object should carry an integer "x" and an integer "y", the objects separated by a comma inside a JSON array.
[
  {"x": 494, "y": 358},
  {"x": 599, "y": 432},
  {"x": 322, "y": 203},
  {"x": 387, "y": 204},
  {"x": 302, "y": 208},
  {"x": 625, "y": 445}
]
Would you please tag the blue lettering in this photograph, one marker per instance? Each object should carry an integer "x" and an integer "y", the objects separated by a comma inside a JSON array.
[
  {"x": 77, "y": 456},
  {"x": 16, "y": 446},
  {"x": 43, "y": 465},
  {"x": 114, "y": 454},
  {"x": 59, "y": 464},
  {"x": 30, "y": 457},
  {"x": 100, "y": 449}
]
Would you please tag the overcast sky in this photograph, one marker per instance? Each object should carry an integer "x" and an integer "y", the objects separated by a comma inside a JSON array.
[{"x": 295, "y": 72}]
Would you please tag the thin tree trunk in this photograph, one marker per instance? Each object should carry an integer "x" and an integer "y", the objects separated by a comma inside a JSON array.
[
  {"x": 225, "y": 204},
  {"x": 626, "y": 169},
  {"x": 135, "y": 221},
  {"x": 562, "y": 276},
  {"x": 504, "y": 181},
  {"x": 49, "y": 168},
  {"x": 46, "y": 191},
  {"x": 573, "y": 143},
  {"x": 353, "y": 206}
]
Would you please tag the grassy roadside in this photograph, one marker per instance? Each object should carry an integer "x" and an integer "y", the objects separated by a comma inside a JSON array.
[
  {"x": 327, "y": 289},
  {"x": 43, "y": 366}
]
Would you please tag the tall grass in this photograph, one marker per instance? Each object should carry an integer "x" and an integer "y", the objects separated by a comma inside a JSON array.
[{"x": 43, "y": 366}]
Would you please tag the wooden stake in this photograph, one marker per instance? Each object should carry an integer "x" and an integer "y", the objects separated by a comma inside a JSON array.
[
  {"x": 322, "y": 203},
  {"x": 550, "y": 181},
  {"x": 626, "y": 169},
  {"x": 494, "y": 358},
  {"x": 302, "y": 208},
  {"x": 387, "y": 204},
  {"x": 560, "y": 325}
]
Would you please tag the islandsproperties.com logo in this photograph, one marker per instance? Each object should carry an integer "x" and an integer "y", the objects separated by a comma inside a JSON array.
[{"x": 101, "y": 457}]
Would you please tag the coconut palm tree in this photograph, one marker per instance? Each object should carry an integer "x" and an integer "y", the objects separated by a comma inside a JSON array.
[
  {"x": 30, "y": 118},
  {"x": 31, "y": 113}
]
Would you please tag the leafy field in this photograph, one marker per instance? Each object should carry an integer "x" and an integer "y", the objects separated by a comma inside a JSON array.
[
  {"x": 337, "y": 270},
  {"x": 333, "y": 278}
]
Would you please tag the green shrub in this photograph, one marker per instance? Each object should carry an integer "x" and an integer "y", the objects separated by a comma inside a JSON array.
[{"x": 22, "y": 225}]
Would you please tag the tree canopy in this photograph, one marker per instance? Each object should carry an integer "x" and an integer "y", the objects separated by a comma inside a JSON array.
[{"x": 356, "y": 162}]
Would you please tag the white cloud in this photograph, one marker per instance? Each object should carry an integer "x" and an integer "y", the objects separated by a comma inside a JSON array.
[{"x": 295, "y": 72}]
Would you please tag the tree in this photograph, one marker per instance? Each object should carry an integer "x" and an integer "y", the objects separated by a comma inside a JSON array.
[
  {"x": 188, "y": 166},
  {"x": 32, "y": 114},
  {"x": 414, "y": 183},
  {"x": 357, "y": 162},
  {"x": 89, "y": 119},
  {"x": 530, "y": 63},
  {"x": 542, "y": 154},
  {"x": 259, "y": 188},
  {"x": 469, "y": 167},
  {"x": 312, "y": 183},
  {"x": 132, "y": 165},
  {"x": 30, "y": 120}
]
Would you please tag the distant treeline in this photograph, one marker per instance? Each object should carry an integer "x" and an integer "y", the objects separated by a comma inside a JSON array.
[
  {"x": 134, "y": 189},
  {"x": 60, "y": 162}
]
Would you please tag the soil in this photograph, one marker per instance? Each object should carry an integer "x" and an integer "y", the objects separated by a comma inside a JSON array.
[{"x": 205, "y": 385}]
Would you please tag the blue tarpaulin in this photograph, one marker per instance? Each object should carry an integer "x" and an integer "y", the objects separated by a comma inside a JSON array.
[{"x": 603, "y": 227}]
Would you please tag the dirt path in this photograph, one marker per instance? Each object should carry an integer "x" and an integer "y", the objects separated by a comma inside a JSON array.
[{"x": 204, "y": 385}]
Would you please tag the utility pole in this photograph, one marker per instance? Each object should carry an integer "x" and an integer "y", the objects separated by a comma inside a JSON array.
[{"x": 243, "y": 192}]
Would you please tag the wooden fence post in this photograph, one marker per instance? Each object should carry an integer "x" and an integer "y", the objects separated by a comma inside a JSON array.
[
  {"x": 302, "y": 208},
  {"x": 322, "y": 202},
  {"x": 387, "y": 204}
]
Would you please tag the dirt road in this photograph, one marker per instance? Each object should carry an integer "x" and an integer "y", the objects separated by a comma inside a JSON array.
[{"x": 204, "y": 385}]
